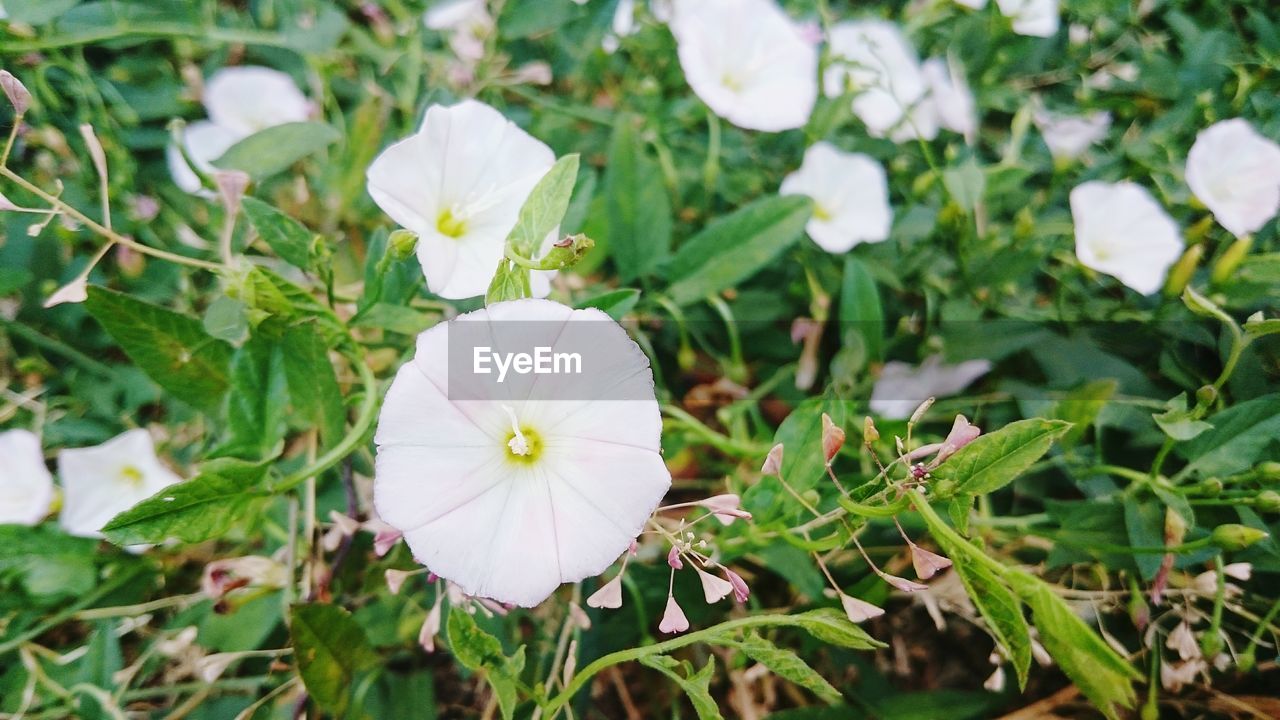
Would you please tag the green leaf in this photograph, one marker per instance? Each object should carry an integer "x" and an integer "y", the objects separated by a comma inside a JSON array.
[
  {"x": 37, "y": 12},
  {"x": 832, "y": 627},
  {"x": 47, "y": 563},
  {"x": 736, "y": 246},
  {"x": 803, "y": 462},
  {"x": 274, "y": 149},
  {"x": 226, "y": 319},
  {"x": 637, "y": 205},
  {"x": 478, "y": 650},
  {"x": 996, "y": 459},
  {"x": 1242, "y": 436},
  {"x": 1102, "y": 675},
  {"x": 288, "y": 238},
  {"x": 173, "y": 349},
  {"x": 330, "y": 649},
  {"x": 1144, "y": 523},
  {"x": 615, "y": 303},
  {"x": 204, "y": 507},
  {"x": 545, "y": 207},
  {"x": 509, "y": 283},
  {"x": 313, "y": 385},
  {"x": 696, "y": 685},
  {"x": 787, "y": 665},
  {"x": 1000, "y": 609},
  {"x": 1179, "y": 422},
  {"x": 1081, "y": 407},
  {"x": 965, "y": 184},
  {"x": 257, "y": 401},
  {"x": 860, "y": 310}
]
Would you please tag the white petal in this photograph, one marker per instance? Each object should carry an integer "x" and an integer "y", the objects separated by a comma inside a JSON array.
[
  {"x": 103, "y": 481},
  {"x": 877, "y": 61},
  {"x": 851, "y": 195},
  {"x": 1037, "y": 18},
  {"x": 1123, "y": 232},
  {"x": 1236, "y": 173},
  {"x": 901, "y": 388},
  {"x": 951, "y": 96},
  {"x": 1068, "y": 136},
  {"x": 747, "y": 61},
  {"x": 205, "y": 143},
  {"x": 247, "y": 99},
  {"x": 451, "y": 14},
  {"x": 26, "y": 487}
]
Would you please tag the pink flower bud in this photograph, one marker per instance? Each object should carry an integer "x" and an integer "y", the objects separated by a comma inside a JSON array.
[
  {"x": 633, "y": 548},
  {"x": 927, "y": 564},
  {"x": 773, "y": 463},
  {"x": 725, "y": 507},
  {"x": 395, "y": 580},
  {"x": 384, "y": 540},
  {"x": 832, "y": 437},
  {"x": 673, "y": 558},
  {"x": 76, "y": 291},
  {"x": 609, "y": 595},
  {"x": 579, "y": 616},
  {"x": 17, "y": 93},
  {"x": 713, "y": 588},
  {"x": 900, "y": 583},
  {"x": 740, "y": 590},
  {"x": 231, "y": 186},
  {"x": 431, "y": 628},
  {"x": 347, "y": 526},
  {"x": 962, "y": 433},
  {"x": 859, "y": 610},
  {"x": 673, "y": 619}
]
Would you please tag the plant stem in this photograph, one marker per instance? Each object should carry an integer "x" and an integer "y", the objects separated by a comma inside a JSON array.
[
  {"x": 353, "y": 439},
  {"x": 157, "y": 30},
  {"x": 69, "y": 612}
]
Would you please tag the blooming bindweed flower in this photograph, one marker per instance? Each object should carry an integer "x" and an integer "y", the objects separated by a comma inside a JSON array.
[
  {"x": 850, "y": 195},
  {"x": 901, "y": 388},
  {"x": 1037, "y": 18},
  {"x": 1123, "y": 232},
  {"x": 1236, "y": 173},
  {"x": 467, "y": 22},
  {"x": 459, "y": 183},
  {"x": 103, "y": 481},
  {"x": 240, "y": 101},
  {"x": 747, "y": 61},
  {"x": 510, "y": 490},
  {"x": 26, "y": 488},
  {"x": 952, "y": 99},
  {"x": 1069, "y": 136},
  {"x": 875, "y": 60}
]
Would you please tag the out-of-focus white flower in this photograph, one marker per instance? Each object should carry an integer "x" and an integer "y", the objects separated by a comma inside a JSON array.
[
  {"x": 1037, "y": 18},
  {"x": 26, "y": 487},
  {"x": 1123, "y": 232},
  {"x": 1068, "y": 136},
  {"x": 747, "y": 61},
  {"x": 624, "y": 25},
  {"x": 1174, "y": 675},
  {"x": 875, "y": 60},
  {"x": 103, "y": 481},
  {"x": 504, "y": 492},
  {"x": 850, "y": 195},
  {"x": 1182, "y": 639},
  {"x": 972, "y": 4},
  {"x": 951, "y": 97},
  {"x": 468, "y": 23},
  {"x": 459, "y": 183},
  {"x": 1236, "y": 173},
  {"x": 901, "y": 388},
  {"x": 240, "y": 101}
]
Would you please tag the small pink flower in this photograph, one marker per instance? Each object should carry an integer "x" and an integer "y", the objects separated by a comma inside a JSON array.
[
  {"x": 396, "y": 578},
  {"x": 17, "y": 93},
  {"x": 832, "y": 437},
  {"x": 902, "y": 584},
  {"x": 995, "y": 683},
  {"x": 673, "y": 558},
  {"x": 713, "y": 588},
  {"x": 609, "y": 595},
  {"x": 385, "y": 540},
  {"x": 1182, "y": 639},
  {"x": 859, "y": 610},
  {"x": 927, "y": 564},
  {"x": 740, "y": 590},
  {"x": 346, "y": 524},
  {"x": 431, "y": 628},
  {"x": 725, "y": 507},
  {"x": 579, "y": 616},
  {"x": 673, "y": 620},
  {"x": 773, "y": 463},
  {"x": 223, "y": 576},
  {"x": 962, "y": 432}
]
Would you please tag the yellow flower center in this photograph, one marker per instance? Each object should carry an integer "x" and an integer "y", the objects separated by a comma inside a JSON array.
[
  {"x": 131, "y": 475},
  {"x": 821, "y": 213},
  {"x": 525, "y": 446},
  {"x": 450, "y": 225}
]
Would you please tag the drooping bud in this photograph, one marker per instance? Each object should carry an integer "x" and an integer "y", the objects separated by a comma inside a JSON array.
[
  {"x": 1236, "y": 537},
  {"x": 726, "y": 508},
  {"x": 384, "y": 540},
  {"x": 533, "y": 73},
  {"x": 347, "y": 525},
  {"x": 1183, "y": 270},
  {"x": 773, "y": 463},
  {"x": 1183, "y": 641},
  {"x": 673, "y": 558},
  {"x": 740, "y": 589},
  {"x": 402, "y": 243},
  {"x": 222, "y": 576},
  {"x": 76, "y": 291},
  {"x": 231, "y": 185},
  {"x": 17, "y": 93},
  {"x": 859, "y": 611},
  {"x": 869, "y": 432},
  {"x": 713, "y": 588},
  {"x": 1226, "y": 265},
  {"x": 396, "y": 578},
  {"x": 901, "y": 583},
  {"x": 430, "y": 628},
  {"x": 210, "y": 667},
  {"x": 609, "y": 595},
  {"x": 920, "y": 411},
  {"x": 579, "y": 616},
  {"x": 673, "y": 619},
  {"x": 96, "y": 153},
  {"x": 927, "y": 564},
  {"x": 832, "y": 438}
]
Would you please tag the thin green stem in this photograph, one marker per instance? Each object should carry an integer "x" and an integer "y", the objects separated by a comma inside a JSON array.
[
  {"x": 57, "y": 346},
  {"x": 69, "y": 612},
  {"x": 354, "y": 438},
  {"x": 155, "y": 30}
]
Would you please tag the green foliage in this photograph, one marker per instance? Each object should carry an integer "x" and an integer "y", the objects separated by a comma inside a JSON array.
[
  {"x": 787, "y": 665},
  {"x": 997, "y": 458},
  {"x": 695, "y": 684},
  {"x": 287, "y": 237},
  {"x": 274, "y": 149},
  {"x": 204, "y": 507},
  {"x": 639, "y": 210},
  {"x": 331, "y": 651},
  {"x": 478, "y": 650}
]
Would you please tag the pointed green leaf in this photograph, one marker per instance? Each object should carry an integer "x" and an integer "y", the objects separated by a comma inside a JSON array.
[
  {"x": 274, "y": 149},
  {"x": 288, "y": 238},
  {"x": 860, "y": 310},
  {"x": 195, "y": 510},
  {"x": 330, "y": 649},
  {"x": 545, "y": 207},
  {"x": 787, "y": 665},
  {"x": 831, "y": 626},
  {"x": 696, "y": 685},
  {"x": 638, "y": 208},
  {"x": 996, "y": 459}
]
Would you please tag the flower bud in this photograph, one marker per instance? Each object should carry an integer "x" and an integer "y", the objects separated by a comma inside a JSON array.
[
  {"x": 1235, "y": 537},
  {"x": 17, "y": 93},
  {"x": 1268, "y": 501},
  {"x": 1269, "y": 470},
  {"x": 1247, "y": 660},
  {"x": 1175, "y": 527},
  {"x": 1226, "y": 265},
  {"x": 832, "y": 438},
  {"x": 920, "y": 411},
  {"x": 1211, "y": 487},
  {"x": 773, "y": 463},
  {"x": 402, "y": 243},
  {"x": 1183, "y": 270},
  {"x": 869, "y": 432},
  {"x": 1206, "y": 395},
  {"x": 567, "y": 252}
]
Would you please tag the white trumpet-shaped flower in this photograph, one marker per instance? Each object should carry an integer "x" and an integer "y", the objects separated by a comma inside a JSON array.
[
  {"x": 1068, "y": 136},
  {"x": 952, "y": 99},
  {"x": 1235, "y": 172},
  {"x": 877, "y": 62},
  {"x": 511, "y": 488},
  {"x": 459, "y": 183},
  {"x": 901, "y": 388},
  {"x": 748, "y": 61},
  {"x": 240, "y": 101},
  {"x": 103, "y": 481},
  {"x": 26, "y": 488},
  {"x": 1123, "y": 232},
  {"x": 1037, "y": 18},
  {"x": 850, "y": 195}
]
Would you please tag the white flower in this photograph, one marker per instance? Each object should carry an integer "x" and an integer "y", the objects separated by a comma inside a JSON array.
[
  {"x": 624, "y": 25},
  {"x": 1123, "y": 232},
  {"x": 747, "y": 61},
  {"x": 972, "y": 4},
  {"x": 458, "y": 183},
  {"x": 850, "y": 195},
  {"x": 951, "y": 96},
  {"x": 1236, "y": 173},
  {"x": 468, "y": 23},
  {"x": 510, "y": 489},
  {"x": 877, "y": 61},
  {"x": 1038, "y": 18},
  {"x": 1068, "y": 136},
  {"x": 901, "y": 388},
  {"x": 240, "y": 101},
  {"x": 26, "y": 488},
  {"x": 103, "y": 481}
]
